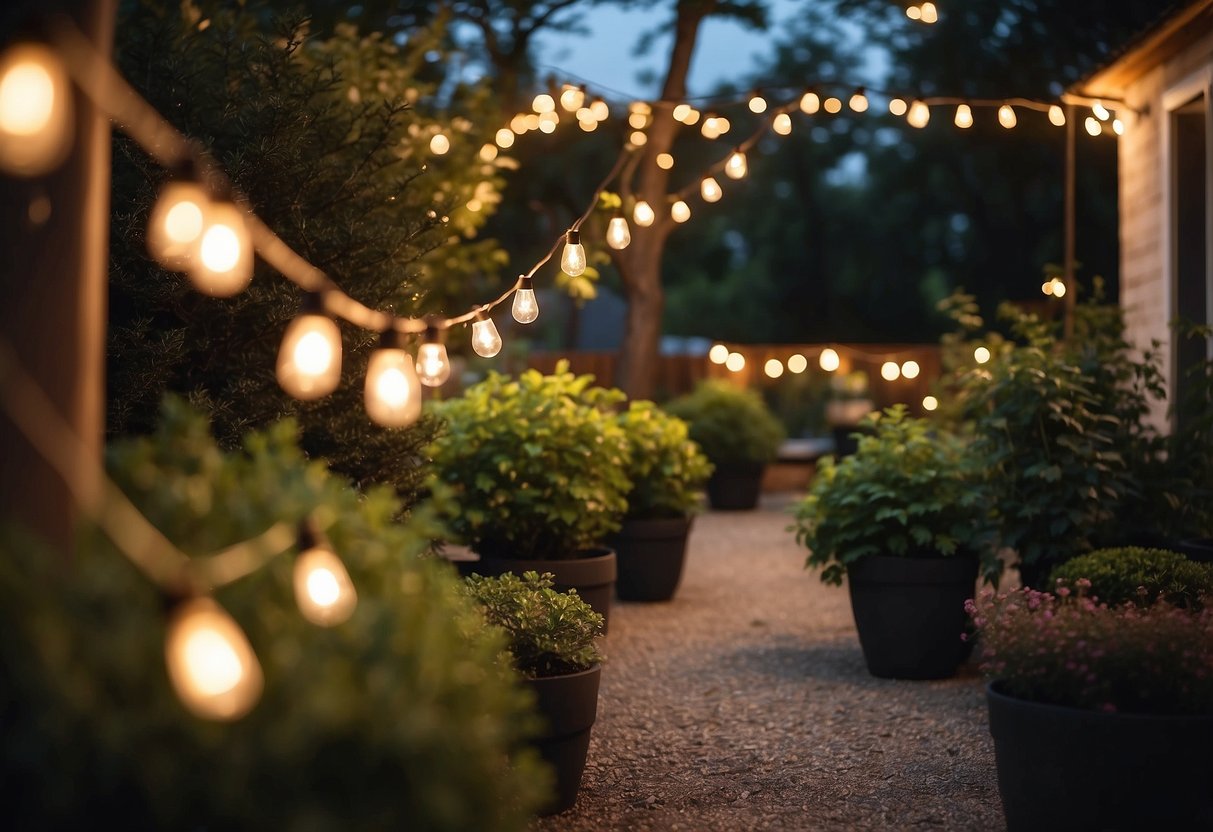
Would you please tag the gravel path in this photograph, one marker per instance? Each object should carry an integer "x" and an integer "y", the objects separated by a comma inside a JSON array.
[{"x": 744, "y": 704}]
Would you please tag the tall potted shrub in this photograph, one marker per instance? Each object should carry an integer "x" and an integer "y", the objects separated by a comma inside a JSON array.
[
  {"x": 666, "y": 472},
  {"x": 552, "y": 641},
  {"x": 536, "y": 472},
  {"x": 906, "y": 519},
  {"x": 739, "y": 435}
]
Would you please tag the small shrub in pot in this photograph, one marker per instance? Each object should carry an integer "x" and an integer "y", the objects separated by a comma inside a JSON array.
[{"x": 1140, "y": 576}]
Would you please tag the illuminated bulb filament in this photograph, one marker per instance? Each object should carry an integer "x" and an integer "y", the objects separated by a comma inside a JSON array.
[
  {"x": 525, "y": 308},
  {"x": 210, "y": 662},
  {"x": 486, "y": 340},
  {"x": 572, "y": 260},
  {"x": 773, "y": 368},
  {"x": 618, "y": 235},
  {"x": 981, "y": 355},
  {"x": 393, "y": 391},
  {"x": 797, "y": 363},
  {"x": 433, "y": 364},
  {"x": 543, "y": 103},
  {"x": 1100, "y": 111},
  {"x": 323, "y": 589},
  {"x": 735, "y": 167},
  {"x": 309, "y": 360},
  {"x": 224, "y": 265},
  {"x": 1093, "y": 126},
  {"x": 643, "y": 214}
]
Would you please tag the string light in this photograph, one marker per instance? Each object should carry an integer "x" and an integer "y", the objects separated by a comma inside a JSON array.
[
  {"x": 919, "y": 114},
  {"x": 572, "y": 98},
  {"x": 914, "y": 13},
  {"x": 680, "y": 212},
  {"x": 643, "y": 214},
  {"x": 964, "y": 116},
  {"x": 486, "y": 340},
  {"x": 1057, "y": 116},
  {"x": 309, "y": 360},
  {"x": 210, "y": 662},
  {"x": 548, "y": 122},
  {"x": 681, "y": 111},
  {"x": 433, "y": 363},
  {"x": 638, "y": 120},
  {"x": 692, "y": 117},
  {"x": 175, "y": 225},
  {"x": 828, "y": 360},
  {"x": 735, "y": 167},
  {"x": 1006, "y": 116},
  {"x": 930, "y": 403},
  {"x": 525, "y": 308},
  {"x": 665, "y": 161},
  {"x": 324, "y": 592},
  {"x": 797, "y": 364},
  {"x": 589, "y": 126},
  {"x": 782, "y": 124},
  {"x": 1118, "y": 127},
  {"x": 735, "y": 362},
  {"x": 1100, "y": 111},
  {"x": 36, "y": 113},
  {"x": 773, "y": 368},
  {"x": 718, "y": 354},
  {"x": 709, "y": 189},
  {"x": 599, "y": 109},
  {"x": 710, "y": 129},
  {"x": 638, "y": 139},
  {"x": 758, "y": 104},
  {"x": 910, "y": 369},
  {"x": 488, "y": 152},
  {"x": 1054, "y": 287},
  {"x": 393, "y": 391},
  {"x": 572, "y": 260},
  {"x": 981, "y": 355},
  {"x": 889, "y": 371},
  {"x": 810, "y": 103},
  {"x": 504, "y": 138},
  {"x": 1093, "y": 126},
  {"x": 440, "y": 144},
  {"x": 618, "y": 235},
  {"x": 543, "y": 103},
  {"x": 531, "y": 121},
  {"x": 929, "y": 14},
  {"x": 224, "y": 265},
  {"x": 898, "y": 106},
  {"x": 859, "y": 101},
  {"x": 832, "y": 105}
]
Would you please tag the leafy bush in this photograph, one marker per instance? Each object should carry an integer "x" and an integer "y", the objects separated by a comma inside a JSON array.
[
  {"x": 667, "y": 468},
  {"x": 1070, "y": 650},
  {"x": 536, "y": 466},
  {"x": 730, "y": 424},
  {"x": 907, "y": 491},
  {"x": 1140, "y": 576},
  {"x": 550, "y": 633},
  {"x": 400, "y": 717}
]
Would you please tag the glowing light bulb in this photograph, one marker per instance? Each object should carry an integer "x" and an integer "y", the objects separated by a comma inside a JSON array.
[
  {"x": 1118, "y": 127},
  {"x": 433, "y": 364},
  {"x": 210, "y": 662},
  {"x": 572, "y": 259},
  {"x": 735, "y": 362},
  {"x": 439, "y": 144},
  {"x": 782, "y": 124},
  {"x": 858, "y": 101},
  {"x": 797, "y": 363},
  {"x": 914, "y": 13},
  {"x": 543, "y": 103},
  {"x": 898, "y": 106},
  {"x": 531, "y": 121},
  {"x": 735, "y": 167},
  {"x": 309, "y": 360},
  {"x": 910, "y": 369},
  {"x": 638, "y": 139},
  {"x": 773, "y": 368},
  {"x": 832, "y": 105},
  {"x": 618, "y": 235},
  {"x": 1093, "y": 126},
  {"x": 393, "y": 391},
  {"x": 1047, "y": 287},
  {"x": 36, "y": 113},
  {"x": 889, "y": 371},
  {"x": 323, "y": 589},
  {"x": 930, "y": 403},
  {"x": 1059, "y": 288},
  {"x": 919, "y": 114},
  {"x": 829, "y": 360},
  {"x": 692, "y": 117},
  {"x": 224, "y": 265},
  {"x": 758, "y": 104},
  {"x": 981, "y": 355},
  {"x": 599, "y": 109},
  {"x": 1057, "y": 116},
  {"x": 488, "y": 152},
  {"x": 504, "y": 138},
  {"x": 665, "y": 161},
  {"x": 572, "y": 98},
  {"x": 548, "y": 122},
  {"x": 588, "y": 126},
  {"x": 680, "y": 211},
  {"x": 637, "y": 121},
  {"x": 710, "y": 128},
  {"x": 718, "y": 354},
  {"x": 1006, "y": 116},
  {"x": 929, "y": 14},
  {"x": 810, "y": 103},
  {"x": 176, "y": 223},
  {"x": 681, "y": 111},
  {"x": 1100, "y": 111},
  {"x": 518, "y": 124},
  {"x": 710, "y": 190},
  {"x": 964, "y": 116},
  {"x": 643, "y": 214},
  {"x": 486, "y": 340},
  {"x": 723, "y": 124},
  {"x": 525, "y": 308}
]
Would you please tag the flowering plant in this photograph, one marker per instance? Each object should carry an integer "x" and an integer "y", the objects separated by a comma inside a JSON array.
[{"x": 1070, "y": 649}]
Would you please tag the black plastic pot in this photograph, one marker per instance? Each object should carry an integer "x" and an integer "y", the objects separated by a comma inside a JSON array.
[
  {"x": 1067, "y": 768},
  {"x": 592, "y": 574},
  {"x": 910, "y": 613},
  {"x": 651, "y": 554},
  {"x": 735, "y": 486},
  {"x": 569, "y": 705}
]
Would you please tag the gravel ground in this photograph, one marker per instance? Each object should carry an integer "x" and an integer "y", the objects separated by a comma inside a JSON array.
[{"x": 744, "y": 704}]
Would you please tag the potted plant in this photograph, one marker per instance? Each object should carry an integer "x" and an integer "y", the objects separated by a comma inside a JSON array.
[
  {"x": 535, "y": 472},
  {"x": 739, "y": 435},
  {"x": 666, "y": 471},
  {"x": 552, "y": 640},
  {"x": 1140, "y": 576},
  {"x": 907, "y": 520},
  {"x": 1102, "y": 715}
]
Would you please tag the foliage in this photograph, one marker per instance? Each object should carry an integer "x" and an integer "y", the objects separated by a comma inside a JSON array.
[
  {"x": 1179, "y": 482},
  {"x": 667, "y": 469},
  {"x": 1074, "y": 651},
  {"x": 908, "y": 491},
  {"x": 536, "y": 466},
  {"x": 732, "y": 425},
  {"x": 329, "y": 140},
  {"x": 550, "y": 633},
  {"x": 401, "y": 717},
  {"x": 1140, "y": 576}
]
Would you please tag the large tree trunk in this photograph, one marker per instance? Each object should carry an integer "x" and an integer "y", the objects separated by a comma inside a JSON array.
[
  {"x": 53, "y": 281},
  {"x": 640, "y": 263}
]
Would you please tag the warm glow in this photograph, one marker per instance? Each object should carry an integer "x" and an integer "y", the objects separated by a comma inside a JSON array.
[
  {"x": 858, "y": 102},
  {"x": 758, "y": 104},
  {"x": 504, "y": 138},
  {"x": 681, "y": 112},
  {"x": 710, "y": 129},
  {"x": 600, "y": 109},
  {"x": 680, "y": 211},
  {"x": 440, "y": 144},
  {"x": 914, "y": 13},
  {"x": 910, "y": 369},
  {"x": 588, "y": 126},
  {"x": 964, "y": 116},
  {"x": 809, "y": 103},
  {"x": 832, "y": 105},
  {"x": 1006, "y": 116},
  {"x": 1059, "y": 288},
  {"x": 525, "y": 308},
  {"x": 773, "y": 368},
  {"x": 643, "y": 214},
  {"x": 638, "y": 139},
  {"x": 735, "y": 167},
  {"x": 224, "y": 265},
  {"x": 1047, "y": 287},
  {"x": 637, "y": 121},
  {"x": 1093, "y": 126},
  {"x": 1118, "y": 127},
  {"x": 665, "y": 161},
  {"x": 1057, "y": 116},
  {"x": 929, "y": 403},
  {"x": 919, "y": 114},
  {"x": 782, "y": 124},
  {"x": 393, "y": 391},
  {"x": 723, "y": 124},
  {"x": 618, "y": 235},
  {"x": 210, "y": 662},
  {"x": 35, "y": 110},
  {"x": 176, "y": 223},
  {"x": 981, "y": 355},
  {"x": 433, "y": 364},
  {"x": 829, "y": 360},
  {"x": 898, "y": 106},
  {"x": 718, "y": 354},
  {"x": 27, "y": 98},
  {"x": 572, "y": 98},
  {"x": 709, "y": 189},
  {"x": 889, "y": 371},
  {"x": 1101, "y": 112},
  {"x": 543, "y": 103},
  {"x": 572, "y": 259},
  {"x": 518, "y": 124},
  {"x": 797, "y": 363},
  {"x": 486, "y": 340},
  {"x": 735, "y": 362},
  {"x": 548, "y": 122},
  {"x": 323, "y": 589},
  {"x": 309, "y": 360},
  {"x": 928, "y": 12},
  {"x": 531, "y": 121},
  {"x": 692, "y": 117},
  {"x": 489, "y": 151}
]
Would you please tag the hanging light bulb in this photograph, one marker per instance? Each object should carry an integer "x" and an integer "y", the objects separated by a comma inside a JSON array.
[
  {"x": 710, "y": 129},
  {"x": 735, "y": 362},
  {"x": 773, "y": 368},
  {"x": 210, "y": 662},
  {"x": 981, "y": 355},
  {"x": 572, "y": 98},
  {"x": 1057, "y": 116},
  {"x": 643, "y": 214},
  {"x": 504, "y": 138},
  {"x": 176, "y": 223},
  {"x": 832, "y": 105},
  {"x": 323, "y": 589},
  {"x": 680, "y": 211},
  {"x": 548, "y": 122},
  {"x": 859, "y": 101},
  {"x": 1100, "y": 111},
  {"x": 665, "y": 161},
  {"x": 393, "y": 391},
  {"x": 782, "y": 124},
  {"x": 735, "y": 167},
  {"x": 543, "y": 103},
  {"x": 638, "y": 120},
  {"x": 525, "y": 308},
  {"x": 1118, "y": 127},
  {"x": 710, "y": 190},
  {"x": 758, "y": 104},
  {"x": 797, "y": 363},
  {"x": 928, "y": 13},
  {"x": 889, "y": 371},
  {"x": 910, "y": 369},
  {"x": 897, "y": 106},
  {"x": 810, "y": 103},
  {"x": 572, "y": 260},
  {"x": 1093, "y": 126},
  {"x": 692, "y": 117},
  {"x": 1059, "y": 288},
  {"x": 440, "y": 144},
  {"x": 433, "y": 364},
  {"x": 224, "y": 265},
  {"x": 309, "y": 360},
  {"x": 718, "y": 354},
  {"x": 486, "y": 340},
  {"x": 1047, "y": 287},
  {"x": 36, "y": 114},
  {"x": 723, "y": 124},
  {"x": 828, "y": 360},
  {"x": 930, "y": 403},
  {"x": 681, "y": 111},
  {"x": 599, "y": 109},
  {"x": 919, "y": 114},
  {"x": 638, "y": 138},
  {"x": 488, "y": 152},
  {"x": 618, "y": 235},
  {"x": 964, "y": 116},
  {"x": 1006, "y": 116},
  {"x": 914, "y": 13},
  {"x": 588, "y": 126}
]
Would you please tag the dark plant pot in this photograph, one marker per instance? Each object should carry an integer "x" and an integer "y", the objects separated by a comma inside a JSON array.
[
  {"x": 910, "y": 613},
  {"x": 651, "y": 553},
  {"x": 1199, "y": 549},
  {"x": 845, "y": 443},
  {"x": 1066, "y": 768},
  {"x": 735, "y": 486},
  {"x": 569, "y": 705},
  {"x": 592, "y": 575}
]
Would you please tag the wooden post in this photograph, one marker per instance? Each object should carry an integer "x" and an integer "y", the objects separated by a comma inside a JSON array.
[
  {"x": 1071, "y": 289},
  {"x": 54, "y": 234}
]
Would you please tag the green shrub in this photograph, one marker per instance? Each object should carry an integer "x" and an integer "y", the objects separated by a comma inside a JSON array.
[
  {"x": 1140, "y": 576},
  {"x": 667, "y": 468},
  {"x": 730, "y": 424},
  {"x": 907, "y": 491},
  {"x": 550, "y": 633},
  {"x": 400, "y": 717},
  {"x": 536, "y": 466}
]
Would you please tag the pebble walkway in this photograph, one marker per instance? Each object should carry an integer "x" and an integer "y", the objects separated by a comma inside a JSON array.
[{"x": 744, "y": 704}]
